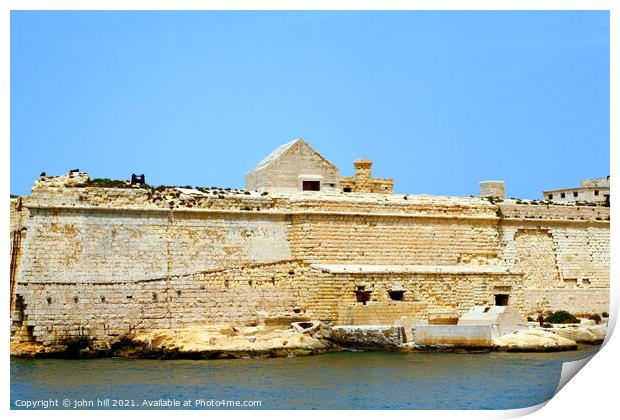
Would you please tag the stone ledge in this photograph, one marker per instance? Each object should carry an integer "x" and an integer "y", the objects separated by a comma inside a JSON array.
[
  {"x": 416, "y": 269},
  {"x": 261, "y": 212}
]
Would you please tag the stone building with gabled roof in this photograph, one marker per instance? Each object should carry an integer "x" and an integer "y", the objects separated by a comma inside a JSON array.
[{"x": 292, "y": 167}]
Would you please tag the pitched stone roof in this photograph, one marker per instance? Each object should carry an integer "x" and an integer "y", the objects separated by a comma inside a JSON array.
[{"x": 281, "y": 151}]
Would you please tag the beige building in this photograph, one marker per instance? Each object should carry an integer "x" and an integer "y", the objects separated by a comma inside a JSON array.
[
  {"x": 594, "y": 190},
  {"x": 296, "y": 166},
  {"x": 292, "y": 167}
]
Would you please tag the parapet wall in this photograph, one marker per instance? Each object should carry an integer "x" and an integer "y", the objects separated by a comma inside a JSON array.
[
  {"x": 368, "y": 185},
  {"x": 106, "y": 262}
]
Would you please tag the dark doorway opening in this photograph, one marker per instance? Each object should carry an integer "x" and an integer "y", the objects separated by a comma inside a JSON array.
[
  {"x": 396, "y": 294},
  {"x": 311, "y": 185},
  {"x": 19, "y": 309},
  {"x": 362, "y": 295},
  {"x": 501, "y": 300}
]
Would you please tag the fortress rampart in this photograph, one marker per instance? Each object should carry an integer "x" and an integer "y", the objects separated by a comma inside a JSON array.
[{"x": 108, "y": 262}]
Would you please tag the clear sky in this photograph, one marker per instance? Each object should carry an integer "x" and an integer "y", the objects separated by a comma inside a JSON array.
[{"x": 438, "y": 100}]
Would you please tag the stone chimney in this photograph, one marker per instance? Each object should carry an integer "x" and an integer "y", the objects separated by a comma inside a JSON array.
[
  {"x": 493, "y": 189},
  {"x": 362, "y": 168}
]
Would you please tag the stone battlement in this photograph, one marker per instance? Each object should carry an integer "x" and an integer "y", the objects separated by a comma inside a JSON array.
[{"x": 187, "y": 199}]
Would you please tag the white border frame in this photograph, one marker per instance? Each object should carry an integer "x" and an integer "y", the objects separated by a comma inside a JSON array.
[{"x": 591, "y": 395}]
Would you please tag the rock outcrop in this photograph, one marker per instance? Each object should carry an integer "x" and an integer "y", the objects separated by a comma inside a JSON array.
[
  {"x": 215, "y": 342},
  {"x": 582, "y": 334},
  {"x": 72, "y": 179},
  {"x": 533, "y": 341}
]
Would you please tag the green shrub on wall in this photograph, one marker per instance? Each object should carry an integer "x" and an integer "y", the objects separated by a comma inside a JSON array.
[{"x": 562, "y": 317}]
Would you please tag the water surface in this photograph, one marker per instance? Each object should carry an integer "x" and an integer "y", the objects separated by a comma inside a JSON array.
[{"x": 348, "y": 380}]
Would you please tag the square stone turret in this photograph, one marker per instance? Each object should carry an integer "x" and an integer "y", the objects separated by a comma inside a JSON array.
[
  {"x": 362, "y": 168},
  {"x": 492, "y": 189},
  {"x": 363, "y": 180}
]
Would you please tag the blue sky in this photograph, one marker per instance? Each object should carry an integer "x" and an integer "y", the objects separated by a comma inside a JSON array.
[{"x": 438, "y": 100}]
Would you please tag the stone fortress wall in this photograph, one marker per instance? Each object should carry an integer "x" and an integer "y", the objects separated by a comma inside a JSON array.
[{"x": 108, "y": 262}]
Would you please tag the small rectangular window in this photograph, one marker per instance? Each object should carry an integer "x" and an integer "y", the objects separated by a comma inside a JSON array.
[
  {"x": 346, "y": 189},
  {"x": 570, "y": 282},
  {"x": 396, "y": 294},
  {"x": 311, "y": 185},
  {"x": 595, "y": 192},
  {"x": 550, "y": 196},
  {"x": 575, "y": 194},
  {"x": 562, "y": 195}
]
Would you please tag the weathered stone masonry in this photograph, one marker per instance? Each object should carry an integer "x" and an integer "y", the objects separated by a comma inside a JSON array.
[{"x": 107, "y": 262}]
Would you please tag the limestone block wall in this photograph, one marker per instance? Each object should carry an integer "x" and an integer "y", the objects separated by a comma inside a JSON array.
[
  {"x": 53, "y": 311},
  {"x": 577, "y": 300},
  {"x": 563, "y": 252},
  {"x": 368, "y": 185},
  {"x": 379, "y": 313},
  {"x": 556, "y": 213},
  {"x": 457, "y": 208},
  {"x": 213, "y": 199},
  {"x": 453, "y": 335},
  {"x": 382, "y": 239},
  {"x": 442, "y": 294},
  {"x": 104, "y": 246},
  {"x": 104, "y": 262},
  {"x": 19, "y": 216},
  {"x": 15, "y": 223},
  {"x": 48, "y": 311}
]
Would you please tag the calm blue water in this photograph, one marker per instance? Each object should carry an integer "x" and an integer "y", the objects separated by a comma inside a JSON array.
[{"x": 357, "y": 380}]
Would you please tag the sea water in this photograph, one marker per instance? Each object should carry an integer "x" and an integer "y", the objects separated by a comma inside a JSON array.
[{"x": 346, "y": 380}]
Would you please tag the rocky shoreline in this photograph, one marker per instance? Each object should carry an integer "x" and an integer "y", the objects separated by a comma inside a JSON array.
[{"x": 302, "y": 339}]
